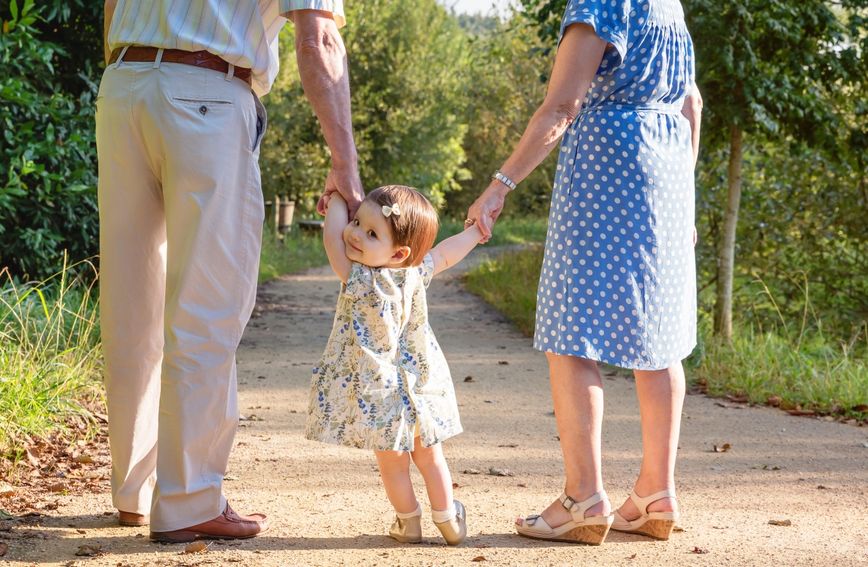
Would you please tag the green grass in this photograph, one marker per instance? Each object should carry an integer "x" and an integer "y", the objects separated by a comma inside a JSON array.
[
  {"x": 297, "y": 251},
  {"x": 509, "y": 283},
  {"x": 796, "y": 370},
  {"x": 49, "y": 359}
]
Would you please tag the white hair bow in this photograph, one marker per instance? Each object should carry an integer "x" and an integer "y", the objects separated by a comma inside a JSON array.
[{"x": 393, "y": 210}]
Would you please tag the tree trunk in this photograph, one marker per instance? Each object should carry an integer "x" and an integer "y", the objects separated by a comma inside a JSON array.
[{"x": 726, "y": 253}]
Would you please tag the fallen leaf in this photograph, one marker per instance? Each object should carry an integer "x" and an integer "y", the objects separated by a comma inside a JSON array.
[
  {"x": 821, "y": 487},
  {"x": 230, "y": 477},
  {"x": 478, "y": 558},
  {"x": 780, "y": 523},
  {"x": 83, "y": 459},
  {"x": 6, "y": 490},
  {"x": 3, "y": 549},
  {"x": 721, "y": 448},
  {"x": 632, "y": 556},
  {"x": 503, "y": 362},
  {"x": 521, "y": 485},
  {"x": 799, "y": 411},
  {"x": 862, "y": 408},
  {"x": 468, "y": 378},
  {"x": 89, "y": 550},
  {"x": 4, "y": 515},
  {"x": 31, "y": 458},
  {"x": 509, "y": 445},
  {"x": 739, "y": 399},
  {"x": 56, "y": 487},
  {"x": 489, "y": 401},
  {"x": 774, "y": 401},
  {"x": 196, "y": 547},
  {"x": 80, "y": 531},
  {"x": 471, "y": 471},
  {"x": 698, "y": 550},
  {"x": 678, "y": 529},
  {"x": 500, "y": 472},
  {"x": 456, "y": 485}
]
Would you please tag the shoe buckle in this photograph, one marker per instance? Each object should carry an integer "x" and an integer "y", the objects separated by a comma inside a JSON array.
[{"x": 568, "y": 503}]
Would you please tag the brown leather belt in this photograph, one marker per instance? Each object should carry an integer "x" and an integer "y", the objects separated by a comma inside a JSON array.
[{"x": 204, "y": 59}]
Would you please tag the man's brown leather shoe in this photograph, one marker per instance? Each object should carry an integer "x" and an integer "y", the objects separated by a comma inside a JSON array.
[
  {"x": 227, "y": 525},
  {"x": 132, "y": 520}
]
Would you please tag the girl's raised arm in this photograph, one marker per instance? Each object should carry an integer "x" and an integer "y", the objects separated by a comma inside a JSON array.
[
  {"x": 336, "y": 220},
  {"x": 455, "y": 248}
]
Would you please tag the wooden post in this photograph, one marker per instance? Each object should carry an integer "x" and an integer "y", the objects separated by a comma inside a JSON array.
[
  {"x": 277, "y": 214},
  {"x": 287, "y": 209}
]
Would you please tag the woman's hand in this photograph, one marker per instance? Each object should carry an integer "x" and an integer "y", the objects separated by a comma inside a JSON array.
[{"x": 487, "y": 207}]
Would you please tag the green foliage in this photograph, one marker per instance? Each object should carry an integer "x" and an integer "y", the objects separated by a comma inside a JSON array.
[
  {"x": 47, "y": 154},
  {"x": 801, "y": 230},
  {"x": 294, "y": 252},
  {"x": 510, "y": 70},
  {"x": 407, "y": 70},
  {"x": 49, "y": 357},
  {"x": 509, "y": 283}
]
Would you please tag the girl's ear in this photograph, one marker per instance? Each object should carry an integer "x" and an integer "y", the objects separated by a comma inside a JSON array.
[{"x": 401, "y": 255}]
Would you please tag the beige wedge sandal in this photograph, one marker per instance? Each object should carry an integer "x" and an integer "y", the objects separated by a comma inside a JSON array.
[
  {"x": 407, "y": 530},
  {"x": 591, "y": 530},
  {"x": 652, "y": 524}
]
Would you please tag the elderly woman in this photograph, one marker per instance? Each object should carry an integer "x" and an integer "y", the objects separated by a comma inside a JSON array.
[{"x": 618, "y": 279}]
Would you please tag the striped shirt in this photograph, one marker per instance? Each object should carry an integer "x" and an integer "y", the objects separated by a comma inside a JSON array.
[{"x": 241, "y": 32}]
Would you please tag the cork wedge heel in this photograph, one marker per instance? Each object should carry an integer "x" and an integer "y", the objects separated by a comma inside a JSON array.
[
  {"x": 590, "y": 531},
  {"x": 657, "y": 525}
]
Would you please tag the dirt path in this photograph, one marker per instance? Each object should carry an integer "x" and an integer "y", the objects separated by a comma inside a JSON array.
[{"x": 327, "y": 507}]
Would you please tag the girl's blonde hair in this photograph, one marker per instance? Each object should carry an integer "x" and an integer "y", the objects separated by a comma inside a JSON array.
[{"x": 417, "y": 224}]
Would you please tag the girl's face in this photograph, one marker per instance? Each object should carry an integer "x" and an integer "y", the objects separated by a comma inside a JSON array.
[{"x": 368, "y": 239}]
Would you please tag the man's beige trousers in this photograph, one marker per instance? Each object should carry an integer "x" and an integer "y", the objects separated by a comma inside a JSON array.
[{"x": 181, "y": 216}]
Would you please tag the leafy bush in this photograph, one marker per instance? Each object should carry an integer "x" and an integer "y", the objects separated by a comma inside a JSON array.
[{"x": 48, "y": 200}]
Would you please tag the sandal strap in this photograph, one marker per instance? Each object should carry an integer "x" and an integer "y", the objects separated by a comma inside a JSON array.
[
  {"x": 578, "y": 509},
  {"x": 642, "y": 503}
]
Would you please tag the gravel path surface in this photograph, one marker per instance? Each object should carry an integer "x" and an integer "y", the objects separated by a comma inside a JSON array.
[{"x": 327, "y": 507}]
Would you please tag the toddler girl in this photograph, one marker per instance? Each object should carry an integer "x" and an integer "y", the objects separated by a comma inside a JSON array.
[{"x": 383, "y": 382}]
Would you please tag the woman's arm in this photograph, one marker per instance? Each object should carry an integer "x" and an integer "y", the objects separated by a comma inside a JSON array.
[
  {"x": 455, "y": 248},
  {"x": 576, "y": 64},
  {"x": 692, "y": 110},
  {"x": 333, "y": 236}
]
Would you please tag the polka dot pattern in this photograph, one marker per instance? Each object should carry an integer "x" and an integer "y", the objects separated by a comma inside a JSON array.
[{"x": 618, "y": 282}]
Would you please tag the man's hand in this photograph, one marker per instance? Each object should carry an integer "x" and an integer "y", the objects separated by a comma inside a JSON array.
[{"x": 345, "y": 183}]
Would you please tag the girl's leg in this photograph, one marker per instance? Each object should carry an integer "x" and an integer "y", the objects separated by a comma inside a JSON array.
[
  {"x": 395, "y": 472},
  {"x": 438, "y": 481},
  {"x": 661, "y": 396},
  {"x": 577, "y": 393}
]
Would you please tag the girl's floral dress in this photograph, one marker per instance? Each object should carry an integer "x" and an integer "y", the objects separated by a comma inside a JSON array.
[{"x": 383, "y": 379}]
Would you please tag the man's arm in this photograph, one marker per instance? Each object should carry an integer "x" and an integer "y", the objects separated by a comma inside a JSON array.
[
  {"x": 107, "y": 22},
  {"x": 333, "y": 237},
  {"x": 322, "y": 65},
  {"x": 455, "y": 248}
]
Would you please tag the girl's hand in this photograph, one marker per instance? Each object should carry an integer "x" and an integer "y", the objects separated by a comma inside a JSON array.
[{"x": 487, "y": 207}]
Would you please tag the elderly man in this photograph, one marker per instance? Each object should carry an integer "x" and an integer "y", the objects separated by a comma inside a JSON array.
[{"x": 179, "y": 125}]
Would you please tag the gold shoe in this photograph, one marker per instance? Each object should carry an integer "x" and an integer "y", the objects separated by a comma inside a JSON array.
[
  {"x": 407, "y": 530},
  {"x": 590, "y": 530},
  {"x": 455, "y": 530},
  {"x": 652, "y": 524}
]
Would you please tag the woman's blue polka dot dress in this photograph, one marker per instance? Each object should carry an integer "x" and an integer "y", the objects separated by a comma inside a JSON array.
[{"x": 618, "y": 281}]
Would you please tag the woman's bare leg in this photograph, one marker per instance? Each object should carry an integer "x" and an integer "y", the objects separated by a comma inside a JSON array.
[
  {"x": 661, "y": 397},
  {"x": 577, "y": 393}
]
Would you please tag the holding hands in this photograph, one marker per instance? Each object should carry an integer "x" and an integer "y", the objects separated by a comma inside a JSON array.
[{"x": 487, "y": 208}]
